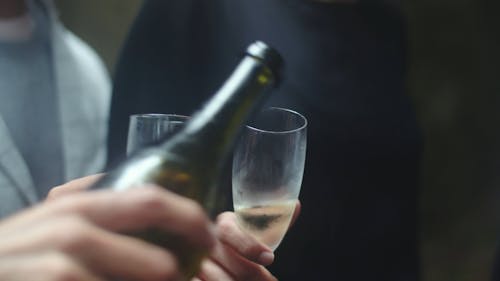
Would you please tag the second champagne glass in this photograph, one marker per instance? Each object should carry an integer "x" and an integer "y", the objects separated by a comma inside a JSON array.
[
  {"x": 268, "y": 165},
  {"x": 151, "y": 128}
]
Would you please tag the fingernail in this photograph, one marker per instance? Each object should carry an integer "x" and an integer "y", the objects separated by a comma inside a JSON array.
[{"x": 266, "y": 258}]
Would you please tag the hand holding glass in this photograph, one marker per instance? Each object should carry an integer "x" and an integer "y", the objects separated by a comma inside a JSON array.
[{"x": 268, "y": 165}]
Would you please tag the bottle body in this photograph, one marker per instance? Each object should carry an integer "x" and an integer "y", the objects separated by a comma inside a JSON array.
[{"x": 190, "y": 162}]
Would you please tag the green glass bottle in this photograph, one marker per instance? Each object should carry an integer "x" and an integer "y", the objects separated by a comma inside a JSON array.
[{"x": 190, "y": 162}]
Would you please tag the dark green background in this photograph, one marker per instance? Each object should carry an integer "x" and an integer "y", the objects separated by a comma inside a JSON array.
[{"x": 454, "y": 79}]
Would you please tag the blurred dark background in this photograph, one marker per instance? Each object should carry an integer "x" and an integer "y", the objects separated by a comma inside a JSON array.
[{"x": 454, "y": 80}]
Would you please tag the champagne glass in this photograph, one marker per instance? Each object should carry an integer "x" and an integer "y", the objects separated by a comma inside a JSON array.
[
  {"x": 151, "y": 128},
  {"x": 268, "y": 165}
]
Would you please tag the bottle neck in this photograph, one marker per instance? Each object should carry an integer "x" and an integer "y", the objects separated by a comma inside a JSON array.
[{"x": 224, "y": 115}]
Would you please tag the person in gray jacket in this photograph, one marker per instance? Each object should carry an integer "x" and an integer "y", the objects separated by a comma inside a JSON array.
[{"x": 54, "y": 96}]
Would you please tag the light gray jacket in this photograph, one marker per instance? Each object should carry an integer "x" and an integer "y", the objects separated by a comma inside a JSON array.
[{"x": 83, "y": 87}]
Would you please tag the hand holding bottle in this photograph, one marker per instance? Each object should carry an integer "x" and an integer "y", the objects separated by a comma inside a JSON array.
[
  {"x": 236, "y": 255},
  {"x": 77, "y": 236}
]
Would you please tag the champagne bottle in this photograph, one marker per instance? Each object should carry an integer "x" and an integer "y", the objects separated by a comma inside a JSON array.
[{"x": 189, "y": 163}]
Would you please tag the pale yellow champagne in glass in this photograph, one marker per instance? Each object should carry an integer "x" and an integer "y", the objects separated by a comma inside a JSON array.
[{"x": 268, "y": 165}]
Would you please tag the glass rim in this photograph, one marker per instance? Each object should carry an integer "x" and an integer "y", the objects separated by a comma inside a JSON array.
[
  {"x": 299, "y": 128},
  {"x": 159, "y": 115}
]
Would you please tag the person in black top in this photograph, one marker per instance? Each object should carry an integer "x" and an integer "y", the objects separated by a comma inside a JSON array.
[{"x": 345, "y": 71}]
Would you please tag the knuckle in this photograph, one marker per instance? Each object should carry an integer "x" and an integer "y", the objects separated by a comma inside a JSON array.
[
  {"x": 228, "y": 231},
  {"x": 61, "y": 268},
  {"x": 54, "y": 192},
  {"x": 70, "y": 204},
  {"x": 225, "y": 228},
  {"x": 74, "y": 234},
  {"x": 197, "y": 214},
  {"x": 151, "y": 198},
  {"x": 166, "y": 267},
  {"x": 197, "y": 217},
  {"x": 168, "y": 272}
]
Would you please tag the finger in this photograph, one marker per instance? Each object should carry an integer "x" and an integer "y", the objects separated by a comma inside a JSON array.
[
  {"x": 146, "y": 207},
  {"x": 238, "y": 266},
  {"x": 104, "y": 252},
  {"x": 121, "y": 256},
  {"x": 44, "y": 266},
  {"x": 73, "y": 186},
  {"x": 210, "y": 271},
  {"x": 130, "y": 210},
  {"x": 242, "y": 242}
]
